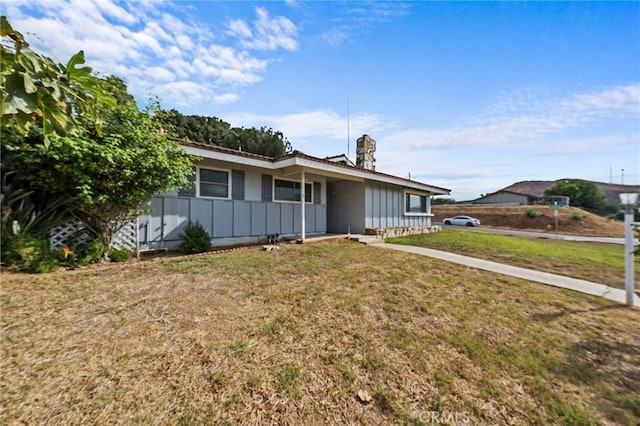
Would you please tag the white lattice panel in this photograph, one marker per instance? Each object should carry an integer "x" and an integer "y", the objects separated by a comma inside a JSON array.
[
  {"x": 60, "y": 235},
  {"x": 126, "y": 238}
]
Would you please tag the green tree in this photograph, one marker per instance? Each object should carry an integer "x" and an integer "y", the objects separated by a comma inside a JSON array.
[
  {"x": 581, "y": 193},
  {"x": 108, "y": 177},
  {"x": 33, "y": 88},
  {"x": 73, "y": 143},
  {"x": 214, "y": 131}
]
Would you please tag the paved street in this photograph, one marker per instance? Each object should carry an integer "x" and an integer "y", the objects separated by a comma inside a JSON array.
[{"x": 545, "y": 235}]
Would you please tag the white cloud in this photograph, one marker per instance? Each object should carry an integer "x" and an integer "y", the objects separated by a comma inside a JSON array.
[
  {"x": 240, "y": 28},
  {"x": 513, "y": 123},
  {"x": 184, "y": 92},
  {"x": 268, "y": 33},
  {"x": 146, "y": 45},
  {"x": 115, "y": 11},
  {"x": 335, "y": 36},
  {"x": 317, "y": 124},
  {"x": 159, "y": 74},
  {"x": 356, "y": 17},
  {"x": 226, "y": 98},
  {"x": 600, "y": 144}
]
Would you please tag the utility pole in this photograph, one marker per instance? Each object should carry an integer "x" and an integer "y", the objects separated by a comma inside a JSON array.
[
  {"x": 348, "y": 129},
  {"x": 610, "y": 175}
]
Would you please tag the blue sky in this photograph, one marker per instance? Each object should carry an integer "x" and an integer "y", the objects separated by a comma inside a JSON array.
[{"x": 471, "y": 96}]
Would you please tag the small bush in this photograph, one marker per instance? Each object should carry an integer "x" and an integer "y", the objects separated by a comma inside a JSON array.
[
  {"x": 195, "y": 239},
  {"x": 578, "y": 216},
  {"x": 84, "y": 254},
  {"x": 505, "y": 215},
  {"x": 30, "y": 254},
  {"x": 532, "y": 213},
  {"x": 117, "y": 255}
]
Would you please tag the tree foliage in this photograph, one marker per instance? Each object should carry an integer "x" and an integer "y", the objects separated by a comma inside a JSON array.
[
  {"x": 214, "y": 131},
  {"x": 109, "y": 176},
  {"x": 34, "y": 88},
  {"x": 55, "y": 155},
  {"x": 581, "y": 193}
]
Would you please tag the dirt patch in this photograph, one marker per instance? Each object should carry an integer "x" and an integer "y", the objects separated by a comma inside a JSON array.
[{"x": 571, "y": 220}]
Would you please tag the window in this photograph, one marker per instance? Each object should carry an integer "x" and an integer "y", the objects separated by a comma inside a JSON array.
[
  {"x": 213, "y": 183},
  {"x": 415, "y": 203},
  {"x": 288, "y": 190}
]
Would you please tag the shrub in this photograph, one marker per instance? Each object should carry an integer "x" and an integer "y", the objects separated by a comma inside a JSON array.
[
  {"x": 195, "y": 239},
  {"x": 117, "y": 255},
  {"x": 30, "y": 254},
  {"x": 578, "y": 216},
  {"x": 505, "y": 215},
  {"x": 86, "y": 253},
  {"x": 532, "y": 213}
]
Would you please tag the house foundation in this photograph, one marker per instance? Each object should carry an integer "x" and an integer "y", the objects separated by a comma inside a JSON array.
[{"x": 402, "y": 231}]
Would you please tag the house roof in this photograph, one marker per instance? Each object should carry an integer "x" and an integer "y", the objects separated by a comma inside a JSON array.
[
  {"x": 340, "y": 158},
  {"x": 298, "y": 160},
  {"x": 531, "y": 188}
]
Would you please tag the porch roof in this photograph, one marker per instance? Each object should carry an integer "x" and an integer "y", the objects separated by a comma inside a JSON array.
[{"x": 298, "y": 161}]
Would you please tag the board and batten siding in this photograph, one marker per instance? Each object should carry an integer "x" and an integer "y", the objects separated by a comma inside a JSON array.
[
  {"x": 385, "y": 207},
  {"x": 226, "y": 219}
]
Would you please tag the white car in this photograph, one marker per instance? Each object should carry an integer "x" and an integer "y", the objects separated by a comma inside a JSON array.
[{"x": 461, "y": 220}]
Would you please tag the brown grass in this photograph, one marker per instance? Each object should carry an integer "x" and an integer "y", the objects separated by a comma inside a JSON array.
[
  {"x": 290, "y": 337},
  {"x": 515, "y": 217}
]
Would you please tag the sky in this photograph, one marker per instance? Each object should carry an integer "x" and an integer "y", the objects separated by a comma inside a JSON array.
[{"x": 470, "y": 96}]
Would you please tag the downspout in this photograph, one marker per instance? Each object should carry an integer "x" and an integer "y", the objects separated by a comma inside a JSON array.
[{"x": 302, "y": 203}]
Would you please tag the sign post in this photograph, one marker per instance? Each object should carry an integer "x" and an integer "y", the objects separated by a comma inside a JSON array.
[
  {"x": 555, "y": 206},
  {"x": 629, "y": 201}
]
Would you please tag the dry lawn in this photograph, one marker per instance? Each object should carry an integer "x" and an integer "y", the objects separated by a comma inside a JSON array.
[{"x": 290, "y": 337}]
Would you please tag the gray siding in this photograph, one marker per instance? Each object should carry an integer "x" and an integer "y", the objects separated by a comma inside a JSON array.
[
  {"x": 384, "y": 207},
  {"x": 227, "y": 218}
]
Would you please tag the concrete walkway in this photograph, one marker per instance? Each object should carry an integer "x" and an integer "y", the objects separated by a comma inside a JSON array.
[{"x": 587, "y": 287}]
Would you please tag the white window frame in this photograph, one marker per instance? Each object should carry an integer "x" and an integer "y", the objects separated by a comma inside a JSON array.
[
  {"x": 215, "y": 169},
  {"x": 419, "y": 194},
  {"x": 308, "y": 196}
]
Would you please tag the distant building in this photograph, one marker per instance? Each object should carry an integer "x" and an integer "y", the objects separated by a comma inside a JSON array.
[{"x": 531, "y": 192}]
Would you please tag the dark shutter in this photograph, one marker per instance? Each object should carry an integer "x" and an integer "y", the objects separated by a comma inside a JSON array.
[
  {"x": 190, "y": 189},
  {"x": 316, "y": 193},
  {"x": 237, "y": 185},
  {"x": 267, "y": 191}
]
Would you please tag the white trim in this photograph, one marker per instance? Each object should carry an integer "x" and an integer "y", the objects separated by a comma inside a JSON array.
[
  {"x": 273, "y": 190},
  {"x": 420, "y": 194},
  {"x": 215, "y": 169}
]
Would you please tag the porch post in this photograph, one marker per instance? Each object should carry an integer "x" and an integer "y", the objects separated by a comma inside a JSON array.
[{"x": 303, "y": 204}]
